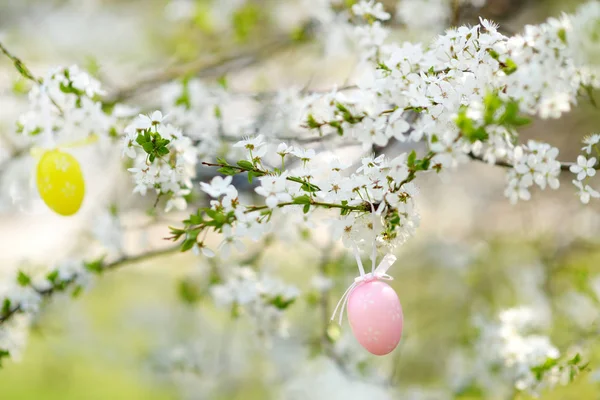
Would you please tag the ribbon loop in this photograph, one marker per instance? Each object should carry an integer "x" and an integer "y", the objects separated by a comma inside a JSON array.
[
  {"x": 379, "y": 273},
  {"x": 376, "y": 273}
]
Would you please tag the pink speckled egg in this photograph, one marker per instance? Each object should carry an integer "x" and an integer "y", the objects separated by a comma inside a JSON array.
[{"x": 375, "y": 315}]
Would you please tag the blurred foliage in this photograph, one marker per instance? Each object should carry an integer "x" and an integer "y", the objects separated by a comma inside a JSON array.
[{"x": 94, "y": 347}]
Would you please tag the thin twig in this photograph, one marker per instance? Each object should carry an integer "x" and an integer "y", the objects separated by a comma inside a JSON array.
[
  {"x": 564, "y": 166},
  {"x": 311, "y": 139},
  {"x": 120, "y": 262},
  {"x": 19, "y": 65},
  {"x": 26, "y": 73},
  {"x": 200, "y": 68},
  {"x": 455, "y": 13}
]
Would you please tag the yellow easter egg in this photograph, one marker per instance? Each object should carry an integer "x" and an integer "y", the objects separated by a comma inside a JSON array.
[{"x": 60, "y": 182}]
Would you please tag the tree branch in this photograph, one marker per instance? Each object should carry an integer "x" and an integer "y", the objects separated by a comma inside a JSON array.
[
  {"x": 455, "y": 20},
  {"x": 19, "y": 65},
  {"x": 564, "y": 166},
  {"x": 201, "y": 68},
  {"x": 120, "y": 262}
]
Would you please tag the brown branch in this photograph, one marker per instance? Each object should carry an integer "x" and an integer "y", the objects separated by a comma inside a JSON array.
[
  {"x": 310, "y": 139},
  {"x": 120, "y": 262},
  {"x": 26, "y": 72},
  {"x": 455, "y": 20},
  {"x": 211, "y": 68},
  {"x": 19, "y": 65},
  {"x": 564, "y": 166}
]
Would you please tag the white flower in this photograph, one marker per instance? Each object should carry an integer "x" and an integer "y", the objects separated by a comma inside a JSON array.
[
  {"x": 128, "y": 142},
  {"x": 108, "y": 231},
  {"x": 230, "y": 240},
  {"x": 555, "y": 106},
  {"x": 399, "y": 168},
  {"x": 251, "y": 143},
  {"x": 147, "y": 121},
  {"x": 274, "y": 188},
  {"x": 284, "y": 149},
  {"x": 201, "y": 248},
  {"x": 177, "y": 200},
  {"x": 584, "y": 167},
  {"x": 218, "y": 186},
  {"x": 590, "y": 141},
  {"x": 304, "y": 155},
  {"x": 518, "y": 189},
  {"x": 371, "y": 8},
  {"x": 585, "y": 192}
]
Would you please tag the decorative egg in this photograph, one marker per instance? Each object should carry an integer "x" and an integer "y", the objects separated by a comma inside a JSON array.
[
  {"x": 60, "y": 182},
  {"x": 375, "y": 315}
]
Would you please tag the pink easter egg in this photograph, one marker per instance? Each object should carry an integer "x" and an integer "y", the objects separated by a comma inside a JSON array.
[{"x": 375, "y": 315}]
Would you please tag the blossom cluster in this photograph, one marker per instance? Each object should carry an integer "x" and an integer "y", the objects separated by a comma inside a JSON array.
[
  {"x": 528, "y": 360},
  {"x": 534, "y": 163},
  {"x": 585, "y": 168},
  {"x": 164, "y": 159},
  {"x": 21, "y": 295},
  {"x": 261, "y": 297},
  {"x": 380, "y": 187},
  {"x": 64, "y": 108}
]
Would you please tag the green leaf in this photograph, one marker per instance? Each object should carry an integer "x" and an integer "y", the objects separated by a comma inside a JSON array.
[
  {"x": 540, "y": 370},
  {"x": 464, "y": 123},
  {"x": 222, "y": 81},
  {"x": 196, "y": 219},
  {"x": 23, "y": 279},
  {"x": 280, "y": 302},
  {"x": 306, "y": 208},
  {"x": 246, "y": 21},
  {"x": 228, "y": 171},
  {"x": 251, "y": 175},
  {"x": 562, "y": 35},
  {"x": 52, "y": 276},
  {"x": 148, "y": 147},
  {"x": 305, "y": 199},
  {"x": 575, "y": 360},
  {"x": 424, "y": 164},
  {"x": 509, "y": 67},
  {"x": 188, "y": 291},
  {"x": 188, "y": 244},
  {"x": 162, "y": 151},
  {"x": 3, "y": 354},
  {"x": 247, "y": 165},
  {"x": 309, "y": 187},
  {"x": 5, "y": 307},
  {"x": 312, "y": 122},
  {"x": 478, "y": 134},
  {"x": 96, "y": 266},
  {"x": 77, "y": 291},
  {"x": 492, "y": 103},
  {"x": 411, "y": 159}
]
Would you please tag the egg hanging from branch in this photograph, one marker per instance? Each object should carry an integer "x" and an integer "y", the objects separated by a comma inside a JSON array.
[
  {"x": 375, "y": 316},
  {"x": 60, "y": 182}
]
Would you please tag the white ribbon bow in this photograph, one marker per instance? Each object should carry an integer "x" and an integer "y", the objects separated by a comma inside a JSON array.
[{"x": 378, "y": 273}]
